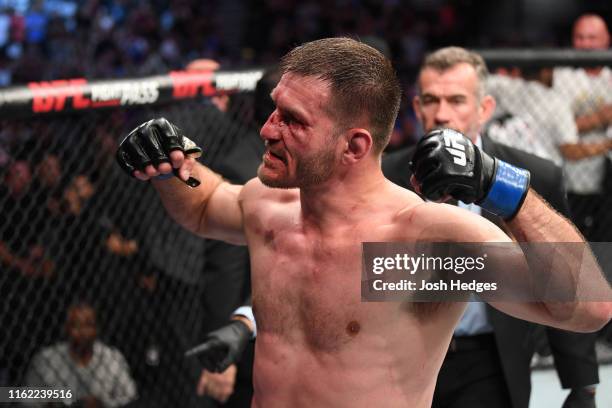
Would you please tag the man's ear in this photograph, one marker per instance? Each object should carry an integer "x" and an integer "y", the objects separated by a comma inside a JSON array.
[
  {"x": 486, "y": 109},
  {"x": 359, "y": 143}
]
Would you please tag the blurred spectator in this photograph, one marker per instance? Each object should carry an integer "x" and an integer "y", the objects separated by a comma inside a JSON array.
[
  {"x": 153, "y": 37},
  {"x": 17, "y": 27},
  {"x": 530, "y": 115},
  {"x": 31, "y": 66},
  {"x": 21, "y": 249},
  {"x": 208, "y": 65},
  {"x": 590, "y": 93},
  {"x": 97, "y": 375},
  {"x": 77, "y": 194},
  {"x": 48, "y": 182},
  {"x": 36, "y": 23},
  {"x": 28, "y": 270},
  {"x": 5, "y": 27},
  {"x": 150, "y": 302},
  {"x": 590, "y": 171},
  {"x": 77, "y": 236}
]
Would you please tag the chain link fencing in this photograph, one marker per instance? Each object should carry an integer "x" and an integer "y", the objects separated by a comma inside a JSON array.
[{"x": 88, "y": 254}]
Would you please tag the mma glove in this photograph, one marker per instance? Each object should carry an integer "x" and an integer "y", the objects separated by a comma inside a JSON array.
[
  {"x": 151, "y": 143},
  {"x": 222, "y": 347},
  {"x": 446, "y": 163}
]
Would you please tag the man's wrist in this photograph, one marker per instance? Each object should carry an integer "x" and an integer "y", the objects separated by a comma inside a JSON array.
[
  {"x": 508, "y": 190},
  {"x": 243, "y": 319},
  {"x": 245, "y": 315}
]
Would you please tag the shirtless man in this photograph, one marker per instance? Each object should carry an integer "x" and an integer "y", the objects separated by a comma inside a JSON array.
[{"x": 319, "y": 194}]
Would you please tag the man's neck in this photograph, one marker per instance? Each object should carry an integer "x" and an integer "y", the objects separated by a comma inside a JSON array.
[
  {"x": 335, "y": 201},
  {"x": 81, "y": 356}
]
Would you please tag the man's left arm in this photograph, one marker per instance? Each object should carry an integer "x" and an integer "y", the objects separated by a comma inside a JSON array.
[
  {"x": 536, "y": 221},
  {"x": 466, "y": 173}
]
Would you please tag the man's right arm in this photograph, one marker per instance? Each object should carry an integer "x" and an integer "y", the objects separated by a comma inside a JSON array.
[
  {"x": 211, "y": 210},
  {"x": 196, "y": 198},
  {"x": 582, "y": 150},
  {"x": 600, "y": 119}
]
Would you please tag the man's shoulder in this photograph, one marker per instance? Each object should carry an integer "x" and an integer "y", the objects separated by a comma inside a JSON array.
[
  {"x": 55, "y": 352},
  {"x": 439, "y": 222},
  {"x": 255, "y": 191},
  {"x": 429, "y": 212},
  {"x": 106, "y": 351},
  {"x": 564, "y": 73}
]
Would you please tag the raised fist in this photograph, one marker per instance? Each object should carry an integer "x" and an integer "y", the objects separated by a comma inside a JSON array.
[
  {"x": 446, "y": 163},
  {"x": 155, "y": 148}
]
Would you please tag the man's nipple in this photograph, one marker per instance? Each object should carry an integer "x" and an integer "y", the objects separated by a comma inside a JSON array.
[{"x": 353, "y": 328}]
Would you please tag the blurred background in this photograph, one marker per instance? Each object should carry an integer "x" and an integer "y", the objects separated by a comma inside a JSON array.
[{"x": 43, "y": 40}]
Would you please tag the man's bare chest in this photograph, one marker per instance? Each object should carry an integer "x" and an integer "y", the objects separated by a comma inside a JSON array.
[{"x": 307, "y": 287}]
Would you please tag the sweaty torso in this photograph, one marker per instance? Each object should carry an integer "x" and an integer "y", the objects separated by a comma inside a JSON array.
[{"x": 318, "y": 344}]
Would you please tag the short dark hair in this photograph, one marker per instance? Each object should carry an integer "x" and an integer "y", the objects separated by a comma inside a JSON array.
[
  {"x": 363, "y": 82},
  {"x": 449, "y": 57}
]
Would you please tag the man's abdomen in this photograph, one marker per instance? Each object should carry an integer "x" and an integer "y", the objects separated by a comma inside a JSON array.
[{"x": 372, "y": 371}]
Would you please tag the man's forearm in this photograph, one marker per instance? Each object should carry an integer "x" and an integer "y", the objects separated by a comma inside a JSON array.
[
  {"x": 576, "y": 268},
  {"x": 537, "y": 221},
  {"x": 599, "y": 119},
  {"x": 579, "y": 151},
  {"x": 187, "y": 205}
]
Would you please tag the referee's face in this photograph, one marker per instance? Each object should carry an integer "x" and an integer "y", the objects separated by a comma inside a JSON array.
[{"x": 450, "y": 99}]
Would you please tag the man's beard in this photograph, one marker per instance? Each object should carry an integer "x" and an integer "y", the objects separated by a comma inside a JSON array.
[{"x": 310, "y": 171}]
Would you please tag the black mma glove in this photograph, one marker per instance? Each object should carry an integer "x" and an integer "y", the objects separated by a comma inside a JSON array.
[
  {"x": 446, "y": 163},
  {"x": 151, "y": 143},
  {"x": 223, "y": 347}
]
